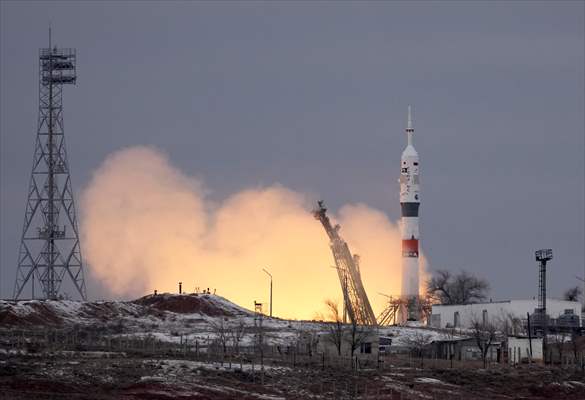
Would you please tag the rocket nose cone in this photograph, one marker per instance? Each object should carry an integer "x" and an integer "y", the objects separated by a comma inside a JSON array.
[{"x": 409, "y": 151}]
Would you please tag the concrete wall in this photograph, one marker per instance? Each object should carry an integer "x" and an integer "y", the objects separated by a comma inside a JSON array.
[
  {"x": 469, "y": 351},
  {"x": 443, "y": 315},
  {"x": 519, "y": 349}
]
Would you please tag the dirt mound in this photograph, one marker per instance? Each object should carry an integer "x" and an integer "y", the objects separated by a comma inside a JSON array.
[
  {"x": 189, "y": 304},
  {"x": 62, "y": 312},
  {"x": 34, "y": 313},
  {"x": 146, "y": 310}
]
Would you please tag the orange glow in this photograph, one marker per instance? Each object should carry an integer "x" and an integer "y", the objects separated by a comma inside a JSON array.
[{"x": 147, "y": 226}]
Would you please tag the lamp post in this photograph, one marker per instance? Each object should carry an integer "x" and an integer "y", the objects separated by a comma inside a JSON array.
[{"x": 270, "y": 275}]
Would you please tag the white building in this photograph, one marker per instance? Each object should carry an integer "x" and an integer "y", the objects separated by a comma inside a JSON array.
[
  {"x": 463, "y": 315},
  {"x": 520, "y": 347}
]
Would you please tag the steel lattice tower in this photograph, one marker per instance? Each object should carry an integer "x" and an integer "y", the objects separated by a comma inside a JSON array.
[{"x": 49, "y": 248}]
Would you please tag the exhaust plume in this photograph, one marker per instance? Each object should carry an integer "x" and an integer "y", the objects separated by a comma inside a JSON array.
[{"x": 147, "y": 226}]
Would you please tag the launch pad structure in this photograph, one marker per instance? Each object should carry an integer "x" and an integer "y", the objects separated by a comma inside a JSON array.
[
  {"x": 49, "y": 247},
  {"x": 398, "y": 308},
  {"x": 356, "y": 304},
  {"x": 355, "y": 300}
]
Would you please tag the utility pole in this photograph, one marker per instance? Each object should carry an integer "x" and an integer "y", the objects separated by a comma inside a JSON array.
[
  {"x": 270, "y": 275},
  {"x": 582, "y": 294}
]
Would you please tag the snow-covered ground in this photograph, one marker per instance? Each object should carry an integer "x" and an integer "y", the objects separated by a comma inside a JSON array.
[
  {"x": 177, "y": 319},
  {"x": 124, "y": 371}
]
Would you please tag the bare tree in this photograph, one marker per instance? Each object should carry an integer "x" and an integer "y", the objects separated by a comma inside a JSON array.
[
  {"x": 417, "y": 343},
  {"x": 484, "y": 333},
  {"x": 307, "y": 341},
  {"x": 456, "y": 289},
  {"x": 221, "y": 331},
  {"x": 356, "y": 336},
  {"x": 577, "y": 346},
  {"x": 558, "y": 342},
  {"x": 509, "y": 324},
  {"x": 236, "y": 333},
  {"x": 438, "y": 287},
  {"x": 335, "y": 326},
  {"x": 573, "y": 294}
]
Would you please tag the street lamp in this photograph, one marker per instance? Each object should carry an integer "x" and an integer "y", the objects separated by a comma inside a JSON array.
[{"x": 270, "y": 275}]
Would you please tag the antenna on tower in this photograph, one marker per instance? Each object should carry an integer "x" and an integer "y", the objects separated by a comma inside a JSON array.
[
  {"x": 409, "y": 125},
  {"x": 49, "y": 246}
]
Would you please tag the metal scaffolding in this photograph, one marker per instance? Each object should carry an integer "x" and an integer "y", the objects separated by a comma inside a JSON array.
[
  {"x": 398, "y": 307},
  {"x": 356, "y": 302}
]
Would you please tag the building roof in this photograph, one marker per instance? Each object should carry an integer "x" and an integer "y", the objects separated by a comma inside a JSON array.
[{"x": 504, "y": 301}]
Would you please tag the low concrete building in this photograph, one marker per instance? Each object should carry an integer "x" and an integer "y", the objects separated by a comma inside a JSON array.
[
  {"x": 520, "y": 348},
  {"x": 463, "y": 315},
  {"x": 470, "y": 351},
  {"x": 368, "y": 347},
  {"x": 448, "y": 349},
  {"x": 464, "y": 349}
]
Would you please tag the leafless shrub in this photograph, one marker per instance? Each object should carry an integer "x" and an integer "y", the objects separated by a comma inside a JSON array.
[
  {"x": 509, "y": 324},
  {"x": 335, "y": 327},
  {"x": 221, "y": 331},
  {"x": 417, "y": 344},
  {"x": 577, "y": 346},
  {"x": 236, "y": 333},
  {"x": 558, "y": 342},
  {"x": 356, "y": 335}
]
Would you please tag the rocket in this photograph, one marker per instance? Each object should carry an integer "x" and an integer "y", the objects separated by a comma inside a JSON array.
[{"x": 409, "y": 204}]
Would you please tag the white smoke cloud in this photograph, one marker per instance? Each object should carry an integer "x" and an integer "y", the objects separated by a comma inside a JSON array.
[{"x": 147, "y": 226}]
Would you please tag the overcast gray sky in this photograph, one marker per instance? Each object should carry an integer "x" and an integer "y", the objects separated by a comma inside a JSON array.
[{"x": 314, "y": 96}]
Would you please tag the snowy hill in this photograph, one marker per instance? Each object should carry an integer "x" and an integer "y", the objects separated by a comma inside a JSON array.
[
  {"x": 170, "y": 318},
  {"x": 61, "y": 313}
]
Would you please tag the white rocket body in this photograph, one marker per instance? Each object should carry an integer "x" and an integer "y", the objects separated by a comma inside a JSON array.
[{"x": 409, "y": 203}]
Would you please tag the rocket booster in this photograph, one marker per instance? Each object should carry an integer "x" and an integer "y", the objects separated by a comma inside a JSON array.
[{"x": 409, "y": 204}]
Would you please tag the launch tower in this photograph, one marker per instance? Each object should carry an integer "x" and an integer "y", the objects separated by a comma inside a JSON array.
[
  {"x": 355, "y": 300},
  {"x": 49, "y": 247}
]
